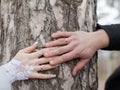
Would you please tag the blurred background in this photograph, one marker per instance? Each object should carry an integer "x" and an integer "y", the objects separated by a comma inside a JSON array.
[{"x": 108, "y": 12}]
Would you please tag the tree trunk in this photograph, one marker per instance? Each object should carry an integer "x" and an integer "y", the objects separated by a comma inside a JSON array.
[{"x": 22, "y": 22}]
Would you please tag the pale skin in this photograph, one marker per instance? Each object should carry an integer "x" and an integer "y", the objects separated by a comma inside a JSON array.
[
  {"x": 28, "y": 57},
  {"x": 71, "y": 45}
]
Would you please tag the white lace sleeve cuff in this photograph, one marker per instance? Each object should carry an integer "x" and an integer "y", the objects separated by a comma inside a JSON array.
[{"x": 14, "y": 70}]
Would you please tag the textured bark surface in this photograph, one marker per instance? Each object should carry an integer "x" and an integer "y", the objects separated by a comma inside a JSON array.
[{"x": 22, "y": 22}]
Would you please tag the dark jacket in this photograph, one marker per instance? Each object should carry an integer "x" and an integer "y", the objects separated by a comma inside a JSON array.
[{"x": 113, "y": 32}]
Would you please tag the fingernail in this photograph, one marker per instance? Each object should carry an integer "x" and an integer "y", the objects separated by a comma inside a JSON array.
[
  {"x": 46, "y": 44},
  {"x": 52, "y": 76},
  {"x": 75, "y": 73},
  {"x": 52, "y": 35},
  {"x": 36, "y": 43},
  {"x": 52, "y": 62}
]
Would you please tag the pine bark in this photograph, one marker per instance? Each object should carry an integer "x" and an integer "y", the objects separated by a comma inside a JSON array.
[{"x": 22, "y": 22}]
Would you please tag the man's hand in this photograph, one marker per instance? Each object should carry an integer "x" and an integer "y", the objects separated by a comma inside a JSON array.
[{"x": 71, "y": 45}]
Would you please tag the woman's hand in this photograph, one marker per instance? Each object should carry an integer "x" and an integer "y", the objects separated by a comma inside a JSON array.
[
  {"x": 71, "y": 45},
  {"x": 28, "y": 57},
  {"x": 26, "y": 64}
]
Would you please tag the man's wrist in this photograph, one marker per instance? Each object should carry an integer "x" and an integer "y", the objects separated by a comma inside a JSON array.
[{"x": 101, "y": 39}]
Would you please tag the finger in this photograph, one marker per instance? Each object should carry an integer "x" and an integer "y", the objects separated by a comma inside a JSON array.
[
  {"x": 37, "y": 54},
  {"x": 30, "y": 48},
  {"x": 63, "y": 58},
  {"x": 79, "y": 66},
  {"x": 62, "y": 34},
  {"x": 42, "y": 60},
  {"x": 44, "y": 67},
  {"x": 36, "y": 50},
  {"x": 58, "y": 51},
  {"x": 59, "y": 42},
  {"x": 42, "y": 76}
]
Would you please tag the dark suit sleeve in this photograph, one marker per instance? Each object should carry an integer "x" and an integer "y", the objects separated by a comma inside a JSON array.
[
  {"x": 113, "y": 32},
  {"x": 113, "y": 82}
]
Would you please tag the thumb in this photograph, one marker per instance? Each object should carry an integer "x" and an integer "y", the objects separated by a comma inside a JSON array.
[
  {"x": 79, "y": 66},
  {"x": 30, "y": 48}
]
